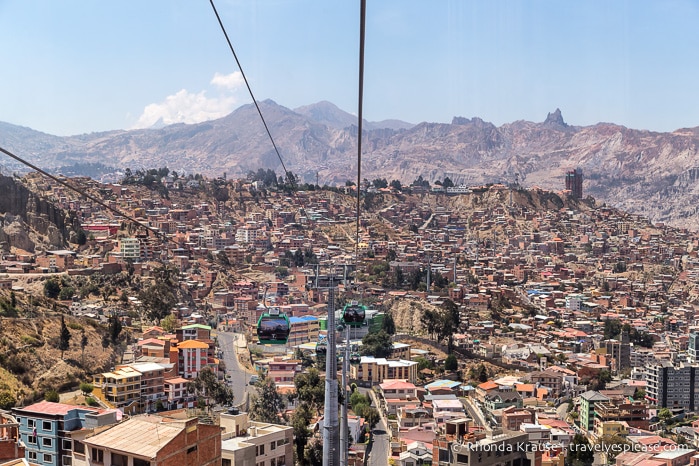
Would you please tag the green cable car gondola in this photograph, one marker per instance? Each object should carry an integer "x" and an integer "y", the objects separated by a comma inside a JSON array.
[
  {"x": 322, "y": 348},
  {"x": 273, "y": 328},
  {"x": 355, "y": 358},
  {"x": 354, "y": 314}
]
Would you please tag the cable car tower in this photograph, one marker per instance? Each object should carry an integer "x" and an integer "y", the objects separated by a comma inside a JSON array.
[{"x": 331, "y": 424}]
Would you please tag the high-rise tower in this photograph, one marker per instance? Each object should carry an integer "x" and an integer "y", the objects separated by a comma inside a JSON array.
[{"x": 574, "y": 182}]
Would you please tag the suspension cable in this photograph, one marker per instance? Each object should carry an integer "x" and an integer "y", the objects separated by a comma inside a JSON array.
[
  {"x": 247, "y": 84},
  {"x": 87, "y": 195},
  {"x": 360, "y": 118}
]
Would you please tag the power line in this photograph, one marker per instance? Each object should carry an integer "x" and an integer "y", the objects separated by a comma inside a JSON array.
[
  {"x": 83, "y": 193},
  {"x": 247, "y": 84},
  {"x": 360, "y": 112}
]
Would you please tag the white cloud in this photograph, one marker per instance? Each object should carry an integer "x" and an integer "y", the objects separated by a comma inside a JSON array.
[
  {"x": 189, "y": 107},
  {"x": 228, "y": 81}
]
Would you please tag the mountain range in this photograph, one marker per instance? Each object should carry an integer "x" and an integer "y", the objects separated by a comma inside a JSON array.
[{"x": 652, "y": 173}]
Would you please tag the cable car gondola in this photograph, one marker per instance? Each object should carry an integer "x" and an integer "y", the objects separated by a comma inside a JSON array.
[
  {"x": 273, "y": 328},
  {"x": 355, "y": 358},
  {"x": 322, "y": 348},
  {"x": 354, "y": 314}
]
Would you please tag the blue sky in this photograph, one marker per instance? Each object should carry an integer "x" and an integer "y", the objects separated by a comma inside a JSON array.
[{"x": 73, "y": 67}]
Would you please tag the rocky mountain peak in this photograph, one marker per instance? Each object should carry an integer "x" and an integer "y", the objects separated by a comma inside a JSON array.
[{"x": 555, "y": 119}]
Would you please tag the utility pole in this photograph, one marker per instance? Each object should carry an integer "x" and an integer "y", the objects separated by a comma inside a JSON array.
[
  {"x": 344, "y": 426},
  {"x": 331, "y": 440}
]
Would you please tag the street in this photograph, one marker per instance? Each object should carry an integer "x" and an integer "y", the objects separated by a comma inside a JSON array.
[
  {"x": 240, "y": 376},
  {"x": 379, "y": 451},
  {"x": 382, "y": 442}
]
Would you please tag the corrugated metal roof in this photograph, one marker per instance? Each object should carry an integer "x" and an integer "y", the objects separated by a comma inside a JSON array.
[
  {"x": 48, "y": 407},
  {"x": 142, "y": 436}
]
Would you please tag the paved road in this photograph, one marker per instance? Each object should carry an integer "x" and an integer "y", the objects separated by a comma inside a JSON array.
[
  {"x": 380, "y": 449},
  {"x": 240, "y": 376},
  {"x": 475, "y": 412}
]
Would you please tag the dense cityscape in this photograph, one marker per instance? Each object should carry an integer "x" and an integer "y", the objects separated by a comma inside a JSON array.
[{"x": 500, "y": 325}]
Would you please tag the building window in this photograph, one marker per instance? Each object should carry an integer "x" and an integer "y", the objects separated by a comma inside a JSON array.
[
  {"x": 67, "y": 460},
  {"x": 273, "y": 445},
  {"x": 225, "y": 462},
  {"x": 47, "y": 442},
  {"x": 140, "y": 462},
  {"x": 46, "y": 425},
  {"x": 79, "y": 447},
  {"x": 97, "y": 455},
  {"x": 48, "y": 458},
  {"x": 67, "y": 444},
  {"x": 120, "y": 460},
  {"x": 31, "y": 439},
  {"x": 31, "y": 455}
]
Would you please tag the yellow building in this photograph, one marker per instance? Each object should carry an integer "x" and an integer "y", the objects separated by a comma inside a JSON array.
[
  {"x": 303, "y": 330},
  {"x": 372, "y": 371},
  {"x": 620, "y": 428},
  {"x": 120, "y": 388}
]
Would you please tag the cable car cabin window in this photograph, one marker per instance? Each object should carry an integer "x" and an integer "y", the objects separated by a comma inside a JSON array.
[
  {"x": 354, "y": 314},
  {"x": 273, "y": 329}
]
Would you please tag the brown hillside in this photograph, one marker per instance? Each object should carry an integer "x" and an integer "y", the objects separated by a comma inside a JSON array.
[{"x": 32, "y": 363}]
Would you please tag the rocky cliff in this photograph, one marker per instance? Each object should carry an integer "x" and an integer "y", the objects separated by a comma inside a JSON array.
[{"x": 27, "y": 220}]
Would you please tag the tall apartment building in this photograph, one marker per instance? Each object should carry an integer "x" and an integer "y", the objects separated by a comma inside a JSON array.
[
  {"x": 693, "y": 348},
  {"x": 620, "y": 350},
  {"x": 670, "y": 386},
  {"x": 130, "y": 248},
  {"x": 574, "y": 182}
]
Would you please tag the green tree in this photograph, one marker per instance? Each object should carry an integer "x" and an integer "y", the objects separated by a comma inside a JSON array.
[
  {"x": 451, "y": 363},
  {"x": 621, "y": 444},
  {"x": 377, "y": 344},
  {"x": 83, "y": 344},
  {"x": 580, "y": 452},
  {"x": 67, "y": 292},
  {"x": 314, "y": 453},
  {"x": 482, "y": 373},
  {"x": 7, "y": 400},
  {"x": 268, "y": 406},
  {"x": 105, "y": 340},
  {"x": 81, "y": 237},
  {"x": 389, "y": 325},
  {"x": 169, "y": 323},
  {"x": 665, "y": 415},
  {"x": 612, "y": 328},
  {"x": 300, "y": 421},
  {"x": 64, "y": 337},
  {"x": 159, "y": 298},
  {"x": 52, "y": 396},
  {"x": 114, "y": 327},
  {"x": 306, "y": 360},
  {"x": 86, "y": 388},
  {"x": 212, "y": 391},
  {"x": 52, "y": 288},
  {"x": 310, "y": 388}
]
